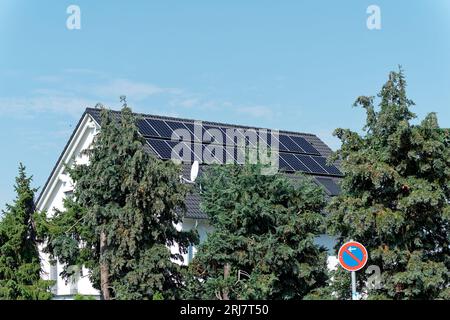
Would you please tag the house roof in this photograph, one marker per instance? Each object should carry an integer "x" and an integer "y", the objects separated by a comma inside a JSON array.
[{"x": 298, "y": 152}]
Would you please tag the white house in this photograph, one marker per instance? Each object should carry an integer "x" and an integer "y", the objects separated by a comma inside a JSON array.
[{"x": 297, "y": 152}]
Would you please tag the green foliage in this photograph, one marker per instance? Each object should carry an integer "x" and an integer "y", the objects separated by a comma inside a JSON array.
[
  {"x": 395, "y": 198},
  {"x": 158, "y": 296},
  {"x": 20, "y": 269},
  {"x": 83, "y": 297},
  {"x": 264, "y": 225},
  {"x": 135, "y": 200}
]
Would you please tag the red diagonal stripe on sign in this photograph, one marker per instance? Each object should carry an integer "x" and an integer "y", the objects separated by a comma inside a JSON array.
[{"x": 353, "y": 256}]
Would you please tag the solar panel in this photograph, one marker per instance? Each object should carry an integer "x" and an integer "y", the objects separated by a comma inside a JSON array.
[
  {"x": 286, "y": 143},
  {"x": 305, "y": 145},
  {"x": 180, "y": 151},
  {"x": 330, "y": 169},
  {"x": 251, "y": 138},
  {"x": 274, "y": 142},
  {"x": 290, "y": 144},
  {"x": 220, "y": 154},
  {"x": 230, "y": 154},
  {"x": 271, "y": 139},
  {"x": 296, "y": 153},
  {"x": 233, "y": 135},
  {"x": 284, "y": 165},
  {"x": 196, "y": 151},
  {"x": 175, "y": 125},
  {"x": 178, "y": 126},
  {"x": 293, "y": 162},
  {"x": 161, "y": 148},
  {"x": 265, "y": 137},
  {"x": 180, "y": 131},
  {"x": 331, "y": 186},
  {"x": 214, "y": 134},
  {"x": 172, "y": 150},
  {"x": 197, "y": 132},
  {"x": 196, "y": 156},
  {"x": 161, "y": 127},
  {"x": 145, "y": 129},
  {"x": 212, "y": 153},
  {"x": 206, "y": 135},
  {"x": 313, "y": 166}
]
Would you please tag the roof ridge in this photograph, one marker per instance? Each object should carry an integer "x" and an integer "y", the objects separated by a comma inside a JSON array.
[{"x": 162, "y": 117}]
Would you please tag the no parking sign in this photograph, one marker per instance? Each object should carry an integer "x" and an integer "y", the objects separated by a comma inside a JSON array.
[{"x": 352, "y": 256}]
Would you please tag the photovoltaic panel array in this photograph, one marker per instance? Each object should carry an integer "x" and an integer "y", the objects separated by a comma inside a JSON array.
[
  {"x": 291, "y": 162},
  {"x": 165, "y": 129},
  {"x": 187, "y": 141}
]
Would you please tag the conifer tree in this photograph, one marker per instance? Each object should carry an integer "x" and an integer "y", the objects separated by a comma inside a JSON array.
[
  {"x": 121, "y": 219},
  {"x": 262, "y": 246},
  {"x": 395, "y": 199},
  {"x": 20, "y": 265}
]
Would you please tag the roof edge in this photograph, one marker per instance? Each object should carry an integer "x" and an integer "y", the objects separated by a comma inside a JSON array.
[{"x": 58, "y": 162}]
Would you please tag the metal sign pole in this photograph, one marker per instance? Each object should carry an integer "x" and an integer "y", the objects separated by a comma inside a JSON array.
[
  {"x": 352, "y": 257},
  {"x": 354, "y": 297}
]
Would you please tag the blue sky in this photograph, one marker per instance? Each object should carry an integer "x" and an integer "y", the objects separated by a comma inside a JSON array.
[{"x": 295, "y": 65}]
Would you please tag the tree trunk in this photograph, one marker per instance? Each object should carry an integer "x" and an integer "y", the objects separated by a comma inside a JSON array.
[
  {"x": 226, "y": 274},
  {"x": 104, "y": 269}
]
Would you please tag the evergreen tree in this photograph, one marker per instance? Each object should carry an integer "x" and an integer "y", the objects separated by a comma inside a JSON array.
[
  {"x": 20, "y": 266},
  {"x": 395, "y": 198},
  {"x": 122, "y": 216},
  {"x": 262, "y": 246}
]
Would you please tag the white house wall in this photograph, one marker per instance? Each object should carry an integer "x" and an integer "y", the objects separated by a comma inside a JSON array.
[{"x": 52, "y": 199}]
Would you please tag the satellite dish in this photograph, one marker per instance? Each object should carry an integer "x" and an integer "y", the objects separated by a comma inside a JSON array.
[{"x": 194, "y": 171}]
